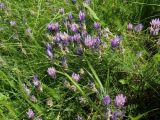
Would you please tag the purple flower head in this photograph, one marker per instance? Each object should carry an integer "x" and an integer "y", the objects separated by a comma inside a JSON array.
[
  {"x": 115, "y": 115},
  {"x": 77, "y": 37},
  {"x": 79, "y": 118},
  {"x": 96, "y": 25},
  {"x": 74, "y": 27},
  {"x": 76, "y": 77},
  {"x": 82, "y": 16},
  {"x": 97, "y": 42},
  {"x": 64, "y": 36},
  {"x": 30, "y": 114},
  {"x": 36, "y": 81},
  {"x": 155, "y": 26},
  {"x": 115, "y": 42},
  {"x": 106, "y": 100},
  {"x": 12, "y": 23},
  {"x": 51, "y": 71},
  {"x": 53, "y": 27},
  {"x": 49, "y": 46},
  {"x": 79, "y": 51},
  {"x": 49, "y": 50},
  {"x": 49, "y": 53},
  {"x": 2, "y": 5},
  {"x": 120, "y": 100},
  {"x": 29, "y": 30},
  {"x": 88, "y": 41},
  {"x": 61, "y": 10},
  {"x": 130, "y": 26},
  {"x": 58, "y": 37},
  {"x": 70, "y": 16},
  {"x": 70, "y": 38},
  {"x": 138, "y": 27}
]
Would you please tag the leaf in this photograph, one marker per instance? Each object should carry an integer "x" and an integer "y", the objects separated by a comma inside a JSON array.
[
  {"x": 92, "y": 13},
  {"x": 138, "y": 117},
  {"x": 77, "y": 86},
  {"x": 96, "y": 77},
  {"x": 157, "y": 57},
  {"x": 123, "y": 82},
  {"x": 3, "y": 97},
  {"x": 51, "y": 92}
]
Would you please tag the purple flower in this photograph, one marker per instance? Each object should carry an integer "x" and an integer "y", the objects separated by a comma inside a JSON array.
[
  {"x": 97, "y": 42},
  {"x": 138, "y": 27},
  {"x": 49, "y": 50},
  {"x": 36, "y": 81},
  {"x": 130, "y": 26},
  {"x": 49, "y": 53},
  {"x": 49, "y": 46},
  {"x": 76, "y": 77},
  {"x": 2, "y": 5},
  {"x": 29, "y": 30},
  {"x": 115, "y": 115},
  {"x": 96, "y": 25},
  {"x": 77, "y": 37},
  {"x": 106, "y": 100},
  {"x": 51, "y": 71},
  {"x": 70, "y": 16},
  {"x": 79, "y": 51},
  {"x": 155, "y": 26},
  {"x": 115, "y": 42},
  {"x": 70, "y": 38},
  {"x": 82, "y": 16},
  {"x": 64, "y": 36},
  {"x": 120, "y": 100},
  {"x": 58, "y": 37},
  {"x": 74, "y": 27},
  {"x": 30, "y": 114},
  {"x": 53, "y": 27},
  {"x": 88, "y": 41},
  {"x": 61, "y": 10},
  {"x": 13, "y": 23}
]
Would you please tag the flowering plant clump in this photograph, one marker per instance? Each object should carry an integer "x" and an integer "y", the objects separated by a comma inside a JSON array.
[{"x": 78, "y": 40}]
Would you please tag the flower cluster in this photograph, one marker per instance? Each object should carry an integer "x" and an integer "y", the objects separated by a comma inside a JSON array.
[
  {"x": 154, "y": 27},
  {"x": 136, "y": 28},
  {"x": 120, "y": 101},
  {"x": 76, "y": 34}
]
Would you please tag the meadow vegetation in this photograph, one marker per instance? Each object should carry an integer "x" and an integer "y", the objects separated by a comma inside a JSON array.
[{"x": 80, "y": 60}]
